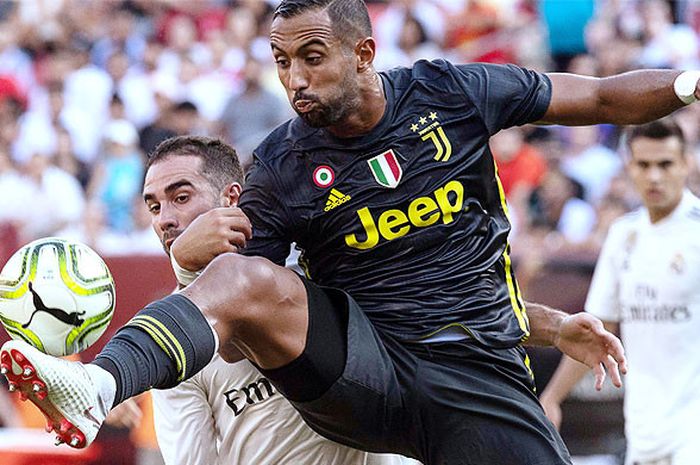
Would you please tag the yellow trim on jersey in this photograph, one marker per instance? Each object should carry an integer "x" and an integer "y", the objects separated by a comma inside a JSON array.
[
  {"x": 516, "y": 299},
  {"x": 528, "y": 366},
  {"x": 451, "y": 325},
  {"x": 526, "y": 360},
  {"x": 514, "y": 294},
  {"x": 165, "y": 339}
]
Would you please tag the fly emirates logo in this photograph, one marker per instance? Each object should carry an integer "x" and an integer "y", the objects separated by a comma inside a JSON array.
[{"x": 422, "y": 212}]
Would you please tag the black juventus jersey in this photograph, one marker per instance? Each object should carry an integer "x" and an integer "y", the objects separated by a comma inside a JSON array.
[{"x": 410, "y": 218}]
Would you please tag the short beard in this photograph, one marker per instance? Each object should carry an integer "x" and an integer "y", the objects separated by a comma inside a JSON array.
[
  {"x": 324, "y": 116},
  {"x": 336, "y": 109}
]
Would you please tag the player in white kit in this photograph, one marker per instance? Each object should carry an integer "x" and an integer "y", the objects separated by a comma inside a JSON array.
[
  {"x": 646, "y": 283},
  {"x": 228, "y": 413}
]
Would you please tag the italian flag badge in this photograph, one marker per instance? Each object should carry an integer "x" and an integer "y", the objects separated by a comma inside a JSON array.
[{"x": 386, "y": 169}]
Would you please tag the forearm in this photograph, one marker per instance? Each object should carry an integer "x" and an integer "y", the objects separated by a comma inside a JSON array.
[
  {"x": 568, "y": 374},
  {"x": 631, "y": 98},
  {"x": 545, "y": 323}
]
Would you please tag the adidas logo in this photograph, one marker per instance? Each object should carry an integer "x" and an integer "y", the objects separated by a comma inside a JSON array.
[{"x": 335, "y": 199}]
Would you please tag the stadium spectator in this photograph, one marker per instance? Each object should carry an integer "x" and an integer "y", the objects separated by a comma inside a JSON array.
[
  {"x": 117, "y": 177},
  {"x": 121, "y": 36},
  {"x": 666, "y": 45},
  {"x": 413, "y": 44},
  {"x": 558, "y": 209},
  {"x": 185, "y": 119},
  {"x": 393, "y": 19},
  {"x": 39, "y": 127},
  {"x": 56, "y": 200},
  {"x": 14, "y": 190},
  {"x": 565, "y": 22},
  {"x": 588, "y": 162},
  {"x": 520, "y": 165},
  {"x": 164, "y": 91},
  {"x": 250, "y": 116},
  {"x": 93, "y": 229},
  {"x": 66, "y": 160},
  {"x": 88, "y": 91}
]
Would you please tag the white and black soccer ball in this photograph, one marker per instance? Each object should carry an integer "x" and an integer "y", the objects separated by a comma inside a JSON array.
[{"x": 56, "y": 294}]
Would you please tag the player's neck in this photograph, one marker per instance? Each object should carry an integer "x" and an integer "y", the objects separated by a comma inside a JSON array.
[
  {"x": 658, "y": 214},
  {"x": 369, "y": 112}
]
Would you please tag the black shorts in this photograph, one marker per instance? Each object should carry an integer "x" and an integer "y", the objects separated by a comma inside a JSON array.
[{"x": 451, "y": 403}]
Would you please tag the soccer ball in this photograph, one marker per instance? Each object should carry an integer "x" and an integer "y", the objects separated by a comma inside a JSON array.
[{"x": 57, "y": 295}]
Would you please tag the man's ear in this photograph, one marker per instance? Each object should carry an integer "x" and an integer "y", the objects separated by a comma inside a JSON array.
[
  {"x": 231, "y": 194},
  {"x": 365, "y": 51}
]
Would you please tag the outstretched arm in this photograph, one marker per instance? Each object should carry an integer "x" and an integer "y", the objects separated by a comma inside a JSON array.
[
  {"x": 580, "y": 336},
  {"x": 630, "y": 98}
]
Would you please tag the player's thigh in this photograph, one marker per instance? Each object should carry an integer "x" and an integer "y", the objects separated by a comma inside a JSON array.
[
  {"x": 478, "y": 407},
  {"x": 365, "y": 407},
  {"x": 254, "y": 304}
]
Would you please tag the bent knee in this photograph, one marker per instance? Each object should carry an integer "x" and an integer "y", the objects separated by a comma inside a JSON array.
[
  {"x": 246, "y": 275},
  {"x": 255, "y": 288}
]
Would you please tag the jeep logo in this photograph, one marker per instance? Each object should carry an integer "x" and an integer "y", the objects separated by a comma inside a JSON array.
[{"x": 422, "y": 212}]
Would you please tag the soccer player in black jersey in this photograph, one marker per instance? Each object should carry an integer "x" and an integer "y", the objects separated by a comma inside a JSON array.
[{"x": 387, "y": 184}]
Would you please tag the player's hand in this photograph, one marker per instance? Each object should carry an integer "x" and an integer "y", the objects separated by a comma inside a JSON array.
[
  {"x": 125, "y": 415},
  {"x": 217, "y": 231},
  {"x": 582, "y": 337}
]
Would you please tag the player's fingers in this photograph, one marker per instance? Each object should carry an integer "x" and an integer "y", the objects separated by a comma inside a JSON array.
[
  {"x": 612, "y": 343},
  {"x": 242, "y": 225},
  {"x": 236, "y": 239},
  {"x": 616, "y": 351},
  {"x": 612, "y": 369},
  {"x": 248, "y": 225},
  {"x": 599, "y": 372},
  {"x": 622, "y": 364}
]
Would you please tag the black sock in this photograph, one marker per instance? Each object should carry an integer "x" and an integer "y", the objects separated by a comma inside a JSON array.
[{"x": 164, "y": 344}]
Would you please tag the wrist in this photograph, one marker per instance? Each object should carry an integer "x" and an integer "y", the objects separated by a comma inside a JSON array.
[
  {"x": 183, "y": 276},
  {"x": 685, "y": 85},
  {"x": 557, "y": 321},
  {"x": 545, "y": 324}
]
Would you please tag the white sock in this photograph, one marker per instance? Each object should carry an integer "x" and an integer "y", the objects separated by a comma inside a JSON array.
[{"x": 105, "y": 383}]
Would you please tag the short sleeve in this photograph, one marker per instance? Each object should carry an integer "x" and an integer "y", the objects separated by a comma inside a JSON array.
[
  {"x": 602, "y": 300},
  {"x": 260, "y": 201},
  {"x": 505, "y": 95}
]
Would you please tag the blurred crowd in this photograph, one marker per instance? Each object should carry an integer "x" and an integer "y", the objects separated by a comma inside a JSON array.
[{"x": 88, "y": 88}]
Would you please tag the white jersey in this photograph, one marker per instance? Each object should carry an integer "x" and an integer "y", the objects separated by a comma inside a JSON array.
[
  {"x": 229, "y": 414},
  {"x": 648, "y": 279}
]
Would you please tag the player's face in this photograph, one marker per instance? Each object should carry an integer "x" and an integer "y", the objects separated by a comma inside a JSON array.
[
  {"x": 659, "y": 171},
  {"x": 175, "y": 194},
  {"x": 317, "y": 70}
]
